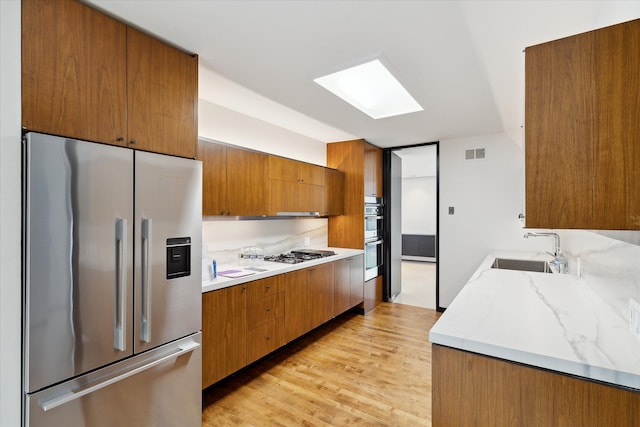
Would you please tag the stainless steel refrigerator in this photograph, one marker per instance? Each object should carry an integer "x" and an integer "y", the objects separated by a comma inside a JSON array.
[{"x": 112, "y": 285}]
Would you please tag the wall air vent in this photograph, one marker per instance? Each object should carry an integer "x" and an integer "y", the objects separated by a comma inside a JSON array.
[{"x": 475, "y": 154}]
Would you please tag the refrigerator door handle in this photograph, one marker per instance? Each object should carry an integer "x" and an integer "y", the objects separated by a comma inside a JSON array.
[
  {"x": 120, "y": 309},
  {"x": 145, "y": 271},
  {"x": 72, "y": 395}
]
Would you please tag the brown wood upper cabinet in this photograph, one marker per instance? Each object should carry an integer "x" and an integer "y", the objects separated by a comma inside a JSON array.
[
  {"x": 88, "y": 76},
  {"x": 295, "y": 186},
  {"x": 333, "y": 192},
  {"x": 372, "y": 170},
  {"x": 582, "y": 151},
  {"x": 361, "y": 163},
  {"x": 234, "y": 181}
]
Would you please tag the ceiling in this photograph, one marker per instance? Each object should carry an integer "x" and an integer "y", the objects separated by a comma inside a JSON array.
[{"x": 461, "y": 60}]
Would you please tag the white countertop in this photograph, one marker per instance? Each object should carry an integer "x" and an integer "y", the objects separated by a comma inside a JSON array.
[
  {"x": 553, "y": 321},
  {"x": 271, "y": 269}
]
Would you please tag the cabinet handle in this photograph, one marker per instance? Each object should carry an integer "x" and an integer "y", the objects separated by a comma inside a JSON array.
[
  {"x": 268, "y": 286},
  {"x": 268, "y": 309},
  {"x": 134, "y": 141},
  {"x": 120, "y": 138},
  {"x": 267, "y": 338}
]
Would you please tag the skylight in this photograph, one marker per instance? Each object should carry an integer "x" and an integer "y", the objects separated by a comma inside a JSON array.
[{"x": 372, "y": 89}]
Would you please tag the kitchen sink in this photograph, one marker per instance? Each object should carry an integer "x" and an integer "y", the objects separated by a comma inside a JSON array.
[{"x": 521, "y": 265}]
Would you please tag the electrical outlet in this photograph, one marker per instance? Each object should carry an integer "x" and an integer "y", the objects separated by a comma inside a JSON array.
[{"x": 634, "y": 317}]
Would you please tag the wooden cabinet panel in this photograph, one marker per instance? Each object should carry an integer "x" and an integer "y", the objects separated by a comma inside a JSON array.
[
  {"x": 224, "y": 332},
  {"x": 88, "y": 76},
  {"x": 333, "y": 192},
  {"x": 582, "y": 159},
  {"x": 372, "y": 170},
  {"x": 287, "y": 196},
  {"x": 162, "y": 90},
  {"x": 347, "y": 230},
  {"x": 234, "y": 181},
  {"x": 214, "y": 178},
  {"x": 265, "y": 310},
  {"x": 73, "y": 71},
  {"x": 349, "y": 283},
  {"x": 247, "y": 182},
  {"x": 321, "y": 282},
  {"x": 283, "y": 169},
  {"x": 266, "y": 287},
  {"x": 308, "y": 299},
  {"x": 372, "y": 293},
  {"x": 311, "y": 174},
  {"x": 470, "y": 389},
  {"x": 342, "y": 288},
  {"x": 295, "y": 186},
  {"x": 356, "y": 265},
  {"x": 265, "y": 339},
  {"x": 296, "y": 304}
]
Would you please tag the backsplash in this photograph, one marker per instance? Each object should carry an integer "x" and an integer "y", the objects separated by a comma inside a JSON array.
[{"x": 223, "y": 240}]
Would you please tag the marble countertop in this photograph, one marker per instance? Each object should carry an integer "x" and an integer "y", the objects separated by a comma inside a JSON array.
[
  {"x": 270, "y": 269},
  {"x": 559, "y": 322}
]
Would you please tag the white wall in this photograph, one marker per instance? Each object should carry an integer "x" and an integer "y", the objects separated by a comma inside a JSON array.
[
  {"x": 487, "y": 196},
  {"x": 10, "y": 214},
  {"x": 419, "y": 202},
  {"x": 221, "y": 124}
]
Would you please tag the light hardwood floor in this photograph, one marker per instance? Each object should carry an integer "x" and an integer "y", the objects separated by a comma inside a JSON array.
[{"x": 372, "y": 370}]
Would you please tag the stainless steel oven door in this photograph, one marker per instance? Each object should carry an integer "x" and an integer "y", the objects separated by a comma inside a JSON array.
[
  {"x": 372, "y": 227},
  {"x": 372, "y": 259}
]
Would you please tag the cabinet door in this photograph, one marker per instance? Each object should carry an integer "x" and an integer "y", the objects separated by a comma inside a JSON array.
[
  {"x": 356, "y": 266},
  {"x": 247, "y": 182},
  {"x": 73, "y": 71},
  {"x": 264, "y": 339},
  {"x": 617, "y": 147},
  {"x": 342, "y": 286},
  {"x": 224, "y": 333},
  {"x": 559, "y": 103},
  {"x": 262, "y": 288},
  {"x": 582, "y": 101},
  {"x": 214, "y": 178},
  {"x": 297, "y": 305},
  {"x": 283, "y": 169},
  {"x": 333, "y": 192},
  {"x": 265, "y": 310},
  {"x": 162, "y": 94},
  {"x": 321, "y": 282},
  {"x": 372, "y": 170},
  {"x": 310, "y": 174}
]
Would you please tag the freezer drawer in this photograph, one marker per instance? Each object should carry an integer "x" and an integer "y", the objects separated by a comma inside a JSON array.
[{"x": 158, "y": 388}]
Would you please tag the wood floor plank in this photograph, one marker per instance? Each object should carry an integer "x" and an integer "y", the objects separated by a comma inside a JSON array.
[{"x": 372, "y": 370}]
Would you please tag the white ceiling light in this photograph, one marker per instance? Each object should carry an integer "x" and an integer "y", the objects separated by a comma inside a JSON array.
[{"x": 372, "y": 89}]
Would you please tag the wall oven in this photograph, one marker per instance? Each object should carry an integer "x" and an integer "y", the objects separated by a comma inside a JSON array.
[
  {"x": 372, "y": 259},
  {"x": 373, "y": 245}
]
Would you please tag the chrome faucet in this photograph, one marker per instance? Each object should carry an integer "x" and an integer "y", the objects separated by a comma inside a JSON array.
[{"x": 559, "y": 260}]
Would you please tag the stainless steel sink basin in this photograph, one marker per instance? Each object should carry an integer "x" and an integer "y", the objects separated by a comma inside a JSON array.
[{"x": 521, "y": 265}]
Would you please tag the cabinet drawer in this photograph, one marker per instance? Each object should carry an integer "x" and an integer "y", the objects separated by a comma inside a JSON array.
[
  {"x": 264, "y": 287},
  {"x": 265, "y": 310},
  {"x": 264, "y": 339}
]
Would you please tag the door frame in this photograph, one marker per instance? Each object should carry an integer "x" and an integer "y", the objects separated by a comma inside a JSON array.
[{"x": 386, "y": 190}]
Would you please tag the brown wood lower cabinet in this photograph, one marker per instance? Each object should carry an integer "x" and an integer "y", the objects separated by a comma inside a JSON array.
[
  {"x": 265, "y": 317},
  {"x": 308, "y": 299},
  {"x": 224, "y": 331},
  {"x": 471, "y": 389},
  {"x": 372, "y": 293},
  {"x": 349, "y": 283},
  {"x": 242, "y": 323}
]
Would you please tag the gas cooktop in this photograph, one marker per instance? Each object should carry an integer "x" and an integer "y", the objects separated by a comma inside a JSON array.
[{"x": 300, "y": 255}]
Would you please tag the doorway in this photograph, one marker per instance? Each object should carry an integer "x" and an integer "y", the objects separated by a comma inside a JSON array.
[{"x": 411, "y": 178}]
